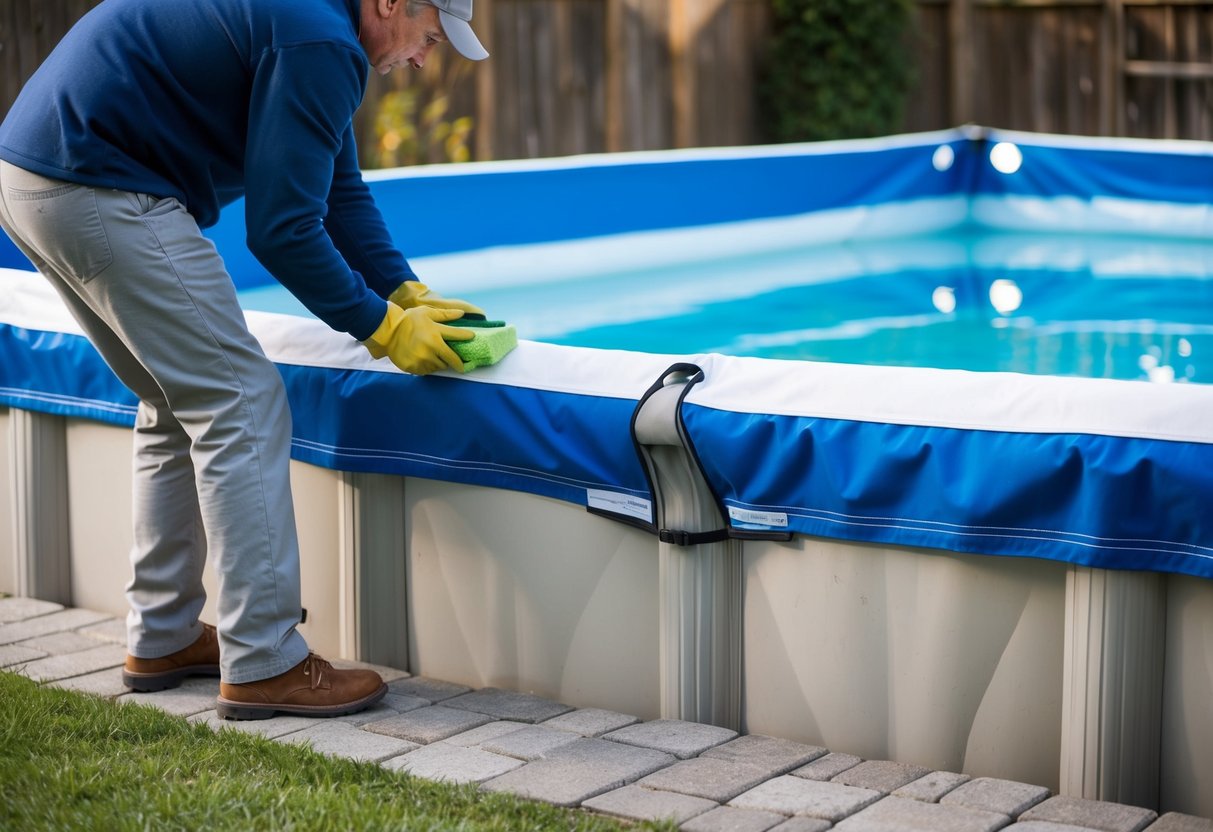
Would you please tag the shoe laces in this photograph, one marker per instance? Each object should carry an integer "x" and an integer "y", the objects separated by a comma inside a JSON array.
[{"x": 314, "y": 668}]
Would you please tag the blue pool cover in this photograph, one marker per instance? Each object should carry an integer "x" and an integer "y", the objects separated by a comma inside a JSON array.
[{"x": 1089, "y": 471}]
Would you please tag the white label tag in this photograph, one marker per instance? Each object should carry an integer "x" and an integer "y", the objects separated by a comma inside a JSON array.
[
  {"x": 758, "y": 518},
  {"x": 616, "y": 503}
]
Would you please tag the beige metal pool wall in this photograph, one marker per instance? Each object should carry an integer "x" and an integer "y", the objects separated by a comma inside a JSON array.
[
  {"x": 1003, "y": 667},
  {"x": 8, "y": 560}
]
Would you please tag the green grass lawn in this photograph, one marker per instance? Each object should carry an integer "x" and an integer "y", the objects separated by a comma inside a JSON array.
[{"x": 73, "y": 761}]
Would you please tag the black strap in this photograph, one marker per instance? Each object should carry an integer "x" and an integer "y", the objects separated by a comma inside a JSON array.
[{"x": 681, "y": 537}]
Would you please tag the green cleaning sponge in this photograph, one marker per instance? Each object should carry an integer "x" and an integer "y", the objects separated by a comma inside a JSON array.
[{"x": 493, "y": 340}]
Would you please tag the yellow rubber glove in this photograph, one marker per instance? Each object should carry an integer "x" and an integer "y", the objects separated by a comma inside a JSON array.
[
  {"x": 415, "y": 339},
  {"x": 410, "y": 294}
]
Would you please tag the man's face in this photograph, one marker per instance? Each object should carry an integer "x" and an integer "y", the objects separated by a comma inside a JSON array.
[{"x": 391, "y": 38}]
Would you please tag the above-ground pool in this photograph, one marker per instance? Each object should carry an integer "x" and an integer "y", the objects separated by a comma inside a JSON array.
[
  {"x": 893, "y": 265},
  {"x": 900, "y": 447}
]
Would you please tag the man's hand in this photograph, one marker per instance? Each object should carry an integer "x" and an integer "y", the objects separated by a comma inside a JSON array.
[
  {"x": 411, "y": 294},
  {"x": 415, "y": 339}
]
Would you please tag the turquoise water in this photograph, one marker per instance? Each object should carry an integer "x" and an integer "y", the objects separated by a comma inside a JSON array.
[{"x": 1102, "y": 307}]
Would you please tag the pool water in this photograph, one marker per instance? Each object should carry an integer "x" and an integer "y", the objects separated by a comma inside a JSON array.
[{"x": 1092, "y": 306}]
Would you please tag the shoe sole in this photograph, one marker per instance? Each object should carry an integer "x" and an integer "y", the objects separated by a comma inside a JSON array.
[
  {"x": 165, "y": 680},
  {"x": 227, "y": 709}
]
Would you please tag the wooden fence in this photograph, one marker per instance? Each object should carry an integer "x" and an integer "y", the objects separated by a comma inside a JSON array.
[
  {"x": 576, "y": 76},
  {"x": 584, "y": 76},
  {"x": 1089, "y": 67}
]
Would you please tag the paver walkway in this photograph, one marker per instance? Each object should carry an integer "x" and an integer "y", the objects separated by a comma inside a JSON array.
[{"x": 706, "y": 779}]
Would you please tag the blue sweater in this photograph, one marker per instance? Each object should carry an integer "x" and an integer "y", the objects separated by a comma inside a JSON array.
[{"x": 210, "y": 100}]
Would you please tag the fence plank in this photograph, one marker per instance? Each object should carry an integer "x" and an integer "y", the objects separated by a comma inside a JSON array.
[
  {"x": 581, "y": 66},
  {"x": 928, "y": 103},
  {"x": 962, "y": 61},
  {"x": 10, "y": 70},
  {"x": 614, "y": 68},
  {"x": 682, "y": 76},
  {"x": 1111, "y": 90},
  {"x": 485, "y": 106}
]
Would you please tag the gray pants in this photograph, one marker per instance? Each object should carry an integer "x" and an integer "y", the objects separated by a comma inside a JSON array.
[{"x": 212, "y": 434}]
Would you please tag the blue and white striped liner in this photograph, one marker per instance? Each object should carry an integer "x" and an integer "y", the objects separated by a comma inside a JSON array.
[{"x": 1104, "y": 473}]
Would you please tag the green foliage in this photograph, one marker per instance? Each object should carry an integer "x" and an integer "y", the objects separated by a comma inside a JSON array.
[
  {"x": 413, "y": 121},
  {"x": 69, "y": 761},
  {"x": 837, "y": 69}
]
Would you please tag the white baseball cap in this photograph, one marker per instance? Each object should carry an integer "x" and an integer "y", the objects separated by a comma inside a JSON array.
[{"x": 455, "y": 16}]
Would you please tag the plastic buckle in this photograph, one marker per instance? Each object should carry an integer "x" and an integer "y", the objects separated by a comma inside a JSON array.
[
  {"x": 678, "y": 537},
  {"x": 681, "y": 537}
]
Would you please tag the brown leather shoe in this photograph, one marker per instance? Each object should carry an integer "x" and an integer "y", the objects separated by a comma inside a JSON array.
[
  {"x": 311, "y": 688},
  {"x": 199, "y": 659}
]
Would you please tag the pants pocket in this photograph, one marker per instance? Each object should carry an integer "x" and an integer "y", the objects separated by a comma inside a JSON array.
[{"x": 62, "y": 223}]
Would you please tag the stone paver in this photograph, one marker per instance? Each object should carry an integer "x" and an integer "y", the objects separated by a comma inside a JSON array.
[
  {"x": 113, "y": 631},
  {"x": 731, "y": 819},
  {"x": 426, "y": 725},
  {"x": 484, "y": 733},
  {"x": 932, "y": 787},
  {"x": 194, "y": 696},
  {"x": 403, "y": 702},
  {"x": 389, "y": 674},
  {"x": 789, "y": 795},
  {"x": 673, "y": 736},
  {"x": 530, "y": 743},
  {"x": 106, "y": 683},
  {"x": 506, "y": 704},
  {"x": 340, "y": 739},
  {"x": 710, "y": 778},
  {"x": 900, "y": 814},
  {"x": 75, "y": 664},
  {"x": 580, "y": 770},
  {"x": 432, "y": 690},
  {"x": 803, "y": 824},
  {"x": 882, "y": 775},
  {"x": 55, "y": 622},
  {"x": 14, "y": 654},
  {"x": 781, "y": 755},
  {"x": 827, "y": 767},
  {"x": 1043, "y": 826},
  {"x": 376, "y": 713},
  {"x": 636, "y": 803},
  {"x": 1094, "y": 814},
  {"x": 58, "y": 644},
  {"x": 389, "y": 706},
  {"x": 272, "y": 728},
  {"x": 591, "y": 722},
  {"x": 1176, "y": 822},
  {"x": 453, "y": 763},
  {"x": 19, "y": 609},
  {"x": 989, "y": 794}
]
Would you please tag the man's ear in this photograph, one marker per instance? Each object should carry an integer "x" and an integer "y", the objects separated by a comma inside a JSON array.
[{"x": 387, "y": 8}]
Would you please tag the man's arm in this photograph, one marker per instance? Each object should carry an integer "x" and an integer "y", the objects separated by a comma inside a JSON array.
[
  {"x": 300, "y": 110},
  {"x": 357, "y": 228}
]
